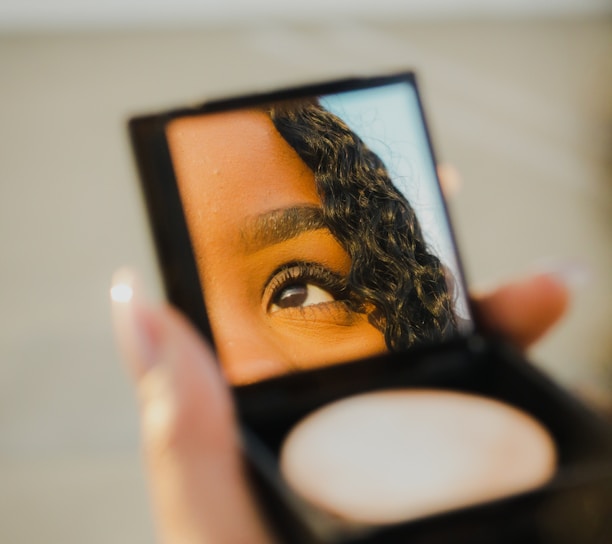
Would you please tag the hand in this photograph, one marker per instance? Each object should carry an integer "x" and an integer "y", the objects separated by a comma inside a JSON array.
[{"x": 191, "y": 443}]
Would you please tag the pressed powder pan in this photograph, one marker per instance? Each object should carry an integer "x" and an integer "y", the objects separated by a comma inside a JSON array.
[{"x": 395, "y": 455}]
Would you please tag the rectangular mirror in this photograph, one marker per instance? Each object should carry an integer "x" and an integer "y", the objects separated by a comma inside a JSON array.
[{"x": 317, "y": 225}]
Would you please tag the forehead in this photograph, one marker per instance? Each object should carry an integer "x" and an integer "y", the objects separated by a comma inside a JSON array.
[{"x": 236, "y": 157}]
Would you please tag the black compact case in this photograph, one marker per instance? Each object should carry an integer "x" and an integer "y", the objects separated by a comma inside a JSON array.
[{"x": 575, "y": 506}]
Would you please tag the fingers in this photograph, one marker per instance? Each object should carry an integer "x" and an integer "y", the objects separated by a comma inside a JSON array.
[
  {"x": 523, "y": 311},
  {"x": 199, "y": 490},
  {"x": 191, "y": 444}
]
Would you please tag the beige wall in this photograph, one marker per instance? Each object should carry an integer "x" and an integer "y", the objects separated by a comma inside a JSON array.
[{"x": 523, "y": 109}]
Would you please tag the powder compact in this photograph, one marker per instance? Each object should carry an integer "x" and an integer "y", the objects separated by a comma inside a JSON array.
[{"x": 304, "y": 232}]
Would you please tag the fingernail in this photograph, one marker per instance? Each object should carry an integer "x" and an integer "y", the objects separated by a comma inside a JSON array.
[
  {"x": 574, "y": 274},
  {"x": 450, "y": 179},
  {"x": 135, "y": 324}
]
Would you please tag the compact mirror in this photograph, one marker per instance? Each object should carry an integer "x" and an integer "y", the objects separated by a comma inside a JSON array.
[
  {"x": 318, "y": 229},
  {"x": 304, "y": 229}
]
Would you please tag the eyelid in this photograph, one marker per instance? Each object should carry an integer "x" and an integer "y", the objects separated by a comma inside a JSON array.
[
  {"x": 337, "y": 313},
  {"x": 315, "y": 273}
]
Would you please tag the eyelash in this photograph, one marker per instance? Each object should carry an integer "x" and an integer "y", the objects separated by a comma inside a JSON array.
[{"x": 306, "y": 272}]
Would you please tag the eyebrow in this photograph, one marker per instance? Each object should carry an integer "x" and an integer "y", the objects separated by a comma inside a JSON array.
[{"x": 280, "y": 225}]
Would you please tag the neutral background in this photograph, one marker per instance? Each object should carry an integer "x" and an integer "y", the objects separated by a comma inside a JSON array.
[{"x": 522, "y": 107}]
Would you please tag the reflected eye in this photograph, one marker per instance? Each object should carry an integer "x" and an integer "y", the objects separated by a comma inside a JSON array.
[
  {"x": 299, "y": 295},
  {"x": 299, "y": 285}
]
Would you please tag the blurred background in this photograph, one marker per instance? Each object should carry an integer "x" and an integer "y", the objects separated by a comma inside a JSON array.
[{"x": 519, "y": 96}]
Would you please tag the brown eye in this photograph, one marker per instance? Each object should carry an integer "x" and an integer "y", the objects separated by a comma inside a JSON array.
[{"x": 299, "y": 295}]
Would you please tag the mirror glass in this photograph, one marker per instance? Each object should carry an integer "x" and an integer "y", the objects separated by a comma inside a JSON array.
[{"x": 319, "y": 230}]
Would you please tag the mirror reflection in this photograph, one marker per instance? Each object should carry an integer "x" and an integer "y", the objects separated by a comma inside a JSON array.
[{"x": 318, "y": 230}]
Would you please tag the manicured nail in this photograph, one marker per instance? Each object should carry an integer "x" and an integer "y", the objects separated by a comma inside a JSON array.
[
  {"x": 135, "y": 324},
  {"x": 450, "y": 179},
  {"x": 573, "y": 274}
]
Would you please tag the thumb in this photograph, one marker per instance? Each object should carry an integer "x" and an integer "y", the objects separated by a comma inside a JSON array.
[
  {"x": 190, "y": 437},
  {"x": 524, "y": 310}
]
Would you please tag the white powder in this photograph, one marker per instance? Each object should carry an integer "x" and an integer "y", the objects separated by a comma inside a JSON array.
[{"x": 396, "y": 455}]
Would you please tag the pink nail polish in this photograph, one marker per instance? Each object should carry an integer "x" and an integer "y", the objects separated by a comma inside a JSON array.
[{"x": 135, "y": 325}]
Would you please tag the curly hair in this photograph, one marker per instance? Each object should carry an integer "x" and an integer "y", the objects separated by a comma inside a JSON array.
[{"x": 391, "y": 267}]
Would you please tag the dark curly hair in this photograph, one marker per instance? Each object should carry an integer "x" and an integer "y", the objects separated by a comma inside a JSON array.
[{"x": 391, "y": 269}]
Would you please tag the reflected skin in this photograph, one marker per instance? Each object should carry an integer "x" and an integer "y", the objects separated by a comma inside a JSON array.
[{"x": 273, "y": 276}]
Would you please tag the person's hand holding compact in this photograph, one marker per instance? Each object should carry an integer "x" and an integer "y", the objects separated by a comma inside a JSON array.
[
  {"x": 190, "y": 437},
  {"x": 314, "y": 230}
]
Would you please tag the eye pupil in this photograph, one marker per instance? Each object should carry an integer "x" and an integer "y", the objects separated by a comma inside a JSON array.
[{"x": 292, "y": 296}]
